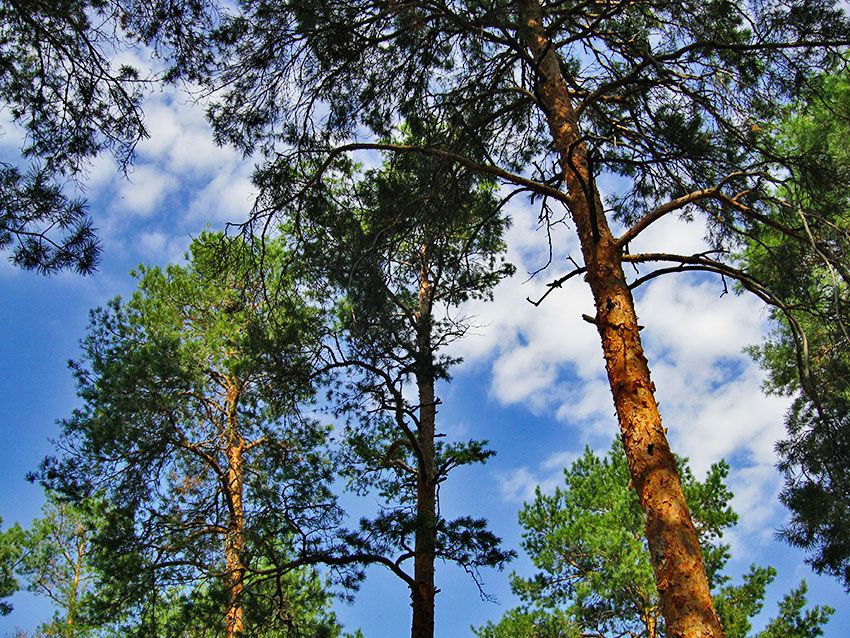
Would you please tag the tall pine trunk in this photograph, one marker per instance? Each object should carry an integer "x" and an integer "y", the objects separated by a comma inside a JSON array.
[
  {"x": 423, "y": 591},
  {"x": 673, "y": 543},
  {"x": 234, "y": 544}
]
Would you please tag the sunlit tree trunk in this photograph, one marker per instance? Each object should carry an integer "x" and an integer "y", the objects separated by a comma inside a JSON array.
[
  {"x": 650, "y": 621},
  {"x": 79, "y": 562},
  {"x": 234, "y": 619},
  {"x": 423, "y": 591},
  {"x": 673, "y": 544}
]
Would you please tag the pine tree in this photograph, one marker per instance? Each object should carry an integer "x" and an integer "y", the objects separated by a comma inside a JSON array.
[
  {"x": 401, "y": 248},
  {"x": 806, "y": 354},
  {"x": 676, "y": 98},
  {"x": 192, "y": 432},
  {"x": 58, "y": 87},
  {"x": 595, "y": 573}
]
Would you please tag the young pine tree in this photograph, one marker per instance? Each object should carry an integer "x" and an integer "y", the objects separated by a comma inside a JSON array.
[
  {"x": 402, "y": 247},
  {"x": 596, "y": 575},
  {"x": 192, "y": 432}
]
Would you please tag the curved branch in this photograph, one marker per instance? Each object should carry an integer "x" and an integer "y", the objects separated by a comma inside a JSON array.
[
  {"x": 702, "y": 263},
  {"x": 340, "y": 561},
  {"x": 661, "y": 211},
  {"x": 484, "y": 169}
]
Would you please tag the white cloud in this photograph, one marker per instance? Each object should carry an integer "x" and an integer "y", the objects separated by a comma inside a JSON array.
[
  {"x": 157, "y": 247},
  {"x": 181, "y": 138},
  {"x": 195, "y": 152},
  {"x": 529, "y": 347},
  {"x": 549, "y": 360},
  {"x": 520, "y": 485},
  {"x": 671, "y": 235},
  {"x": 102, "y": 172},
  {"x": 228, "y": 197},
  {"x": 12, "y": 136},
  {"x": 146, "y": 190},
  {"x": 689, "y": 322},
  {"x": 560, "y": 460},
  {"x": 161, "y": 121},
  {"x": 517, "y": 486}
]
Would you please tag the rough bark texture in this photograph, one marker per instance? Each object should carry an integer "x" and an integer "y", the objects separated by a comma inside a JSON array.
[
  {"x": 234, "y": 619},
  {"x": 673, "y": 543},
  {"x": 423, "y": 592}
]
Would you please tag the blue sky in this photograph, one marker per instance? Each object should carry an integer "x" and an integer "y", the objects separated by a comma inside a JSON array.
[{"x": 532, "y": 382}]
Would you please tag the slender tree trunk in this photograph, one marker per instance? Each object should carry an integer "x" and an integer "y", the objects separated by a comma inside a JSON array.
[
  {"x": 650, "y": 621},
  {"x": 234, "y": 618},
  {"x": 673, "y": 543},
  {"x": 79, "y": 565},
  {"x": 423, "y": 592}
]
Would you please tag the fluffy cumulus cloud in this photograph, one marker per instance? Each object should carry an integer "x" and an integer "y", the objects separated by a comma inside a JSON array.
[
  {"x": 526, "y": 346},
  {"x": 145, "y": 190},
  {"x": 180, "y": 183},
  {"x": 228, "y": 197},
  {"x": 162, "y": 248},
  {"x": 549, "y": 360}
]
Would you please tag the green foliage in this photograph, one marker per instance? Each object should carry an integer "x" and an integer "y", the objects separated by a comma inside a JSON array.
[
  {"x": 401, "y": 247},
  {"x": 736, "y": 605},
  {"x": 55, "y": 562},
  {"x": 31, "y": 206},
  {"x": 806, "y": 355},
  {"x": 192, "y": 395},
  {"x": 51, "y": 559},
  {"x": 793, "y": 622},
  {"x": 10, "y": 551},
  {"x": 175, "y": 613},
  {"x": 595, "y": 576},
  {"x": 531, "y": 623},
  {"x": 670, "y": 102},
  {"x": 56, "y": 87}
]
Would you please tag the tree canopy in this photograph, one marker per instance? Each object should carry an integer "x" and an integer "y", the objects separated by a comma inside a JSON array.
[
  {"x": 401, "y": 247},
  {"x": 674, "y": 103},
  {"x": 60, "y": 88},
  {"x": 595, "y": 575},
  {"x": 805, "y": 355},
  {"x": 192, "y": 431},
  {"x": 675, "y": 99}
]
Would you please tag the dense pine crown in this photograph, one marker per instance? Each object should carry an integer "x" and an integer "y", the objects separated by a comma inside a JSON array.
[
  {"x": 806, "y": 355},
  {"x": 59, "y": 88},
  {"x": 400, "y": 247},
  {"x": 686, "y": 103},
  {"x": 674, "y": 96}
]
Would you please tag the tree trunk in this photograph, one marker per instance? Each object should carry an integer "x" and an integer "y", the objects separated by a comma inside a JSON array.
[
  {"x": 79, "y": 565},
  {"x": 422, "y": 594},
  {"x": 234, "y": 618},
  {"x": 673, "y": 543},
  {"x": 649, "y": 616}
]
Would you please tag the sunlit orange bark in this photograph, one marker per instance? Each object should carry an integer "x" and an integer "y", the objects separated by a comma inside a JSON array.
[
  {"x": 79, "y": 561},
  {"x": 234, "y": 619},
  {"x": 673, "y": 544}
]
